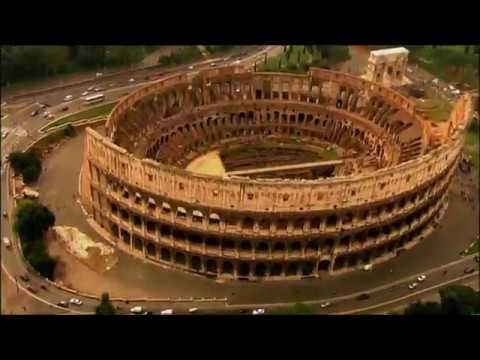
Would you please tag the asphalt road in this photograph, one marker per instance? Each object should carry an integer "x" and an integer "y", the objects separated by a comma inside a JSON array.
[{"x": 24, "y": 129}]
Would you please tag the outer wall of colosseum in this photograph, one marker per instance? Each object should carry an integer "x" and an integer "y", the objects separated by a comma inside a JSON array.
[{"x": 268, "y": 229}]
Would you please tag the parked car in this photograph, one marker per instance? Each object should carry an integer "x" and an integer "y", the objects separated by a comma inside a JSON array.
[
  {"x": 75, "y": 301},
  {"x": 99, "y": 74},
  {"x": 136, "y": 310},
  {"x": 91, "y": 88},
  {"x": 68, "y": 98},
  {"x": 63, "y": 304},
  {"x": 131, "y": 80},
  {"x": 190, "y": 67},
  {"x": 31, "y": 289},
  {"x": 469, "y": 270},
  {"x": 7, "y": 242},
  {"x": 97, "y": 89},
  {"x": 258, "y": 312},
  {"x": 368, "y": 267},
  {"x": 324, "y": 305},
  {"x": 213, "y": 64},
  {"x": 364, "y": 296},
  {"x": 421, "y": 278},
  {"x": 34, "y": 113},
  {"x": 85, "y": 93},
  {"x": 167, "y": 312},
  {"x": 193, "y": 310},
  {"x": 413, "y": 285}
]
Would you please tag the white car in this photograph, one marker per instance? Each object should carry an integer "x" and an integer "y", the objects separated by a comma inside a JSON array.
[
  {"x": 68, "y": 98},
  {"x": 91, "y": 88},
  {"x": 98, "y": 74},
  {"x": 98, "y": 89},
  {"x": 192, "y": 310},
  {"x": 167, "y": 312},
  {"x": 413, "y": 285},
  {"x": 131, "y": 80},
  {"x": 85, "y": 93},
  {"x": 137, "y": 310},
  {"x": 368, "y": 267},
  {"x": 190, "y": 67},
  {"x": 324, "y": 305},
  {"x": 421, "y": 278},
  {"x": 76, "y": 301},
  {"x": 213, "y": 64},
  {"x": 7, "y": 242},
  {"x": 236, "y": 62},
  {"x": 258, "y": 311}
]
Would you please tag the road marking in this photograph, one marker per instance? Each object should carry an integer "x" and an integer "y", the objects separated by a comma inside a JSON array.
[{"x": 406, "y": 296}]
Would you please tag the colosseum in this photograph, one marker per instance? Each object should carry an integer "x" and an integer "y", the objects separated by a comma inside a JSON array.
[{"x": 271, "y": 220}]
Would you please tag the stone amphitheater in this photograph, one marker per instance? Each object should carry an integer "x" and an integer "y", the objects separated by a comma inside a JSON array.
[{"x": 385, "y": 194}]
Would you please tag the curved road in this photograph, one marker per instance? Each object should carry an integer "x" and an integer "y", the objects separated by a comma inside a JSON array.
[{"x": 24, "y": 130}]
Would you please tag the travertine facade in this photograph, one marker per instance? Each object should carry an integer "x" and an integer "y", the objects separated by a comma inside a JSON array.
[
  {"x": 133, "y": 185},
  {"x": 387, "y": 66}
]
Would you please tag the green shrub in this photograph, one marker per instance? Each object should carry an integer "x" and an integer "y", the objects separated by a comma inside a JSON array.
[
  {"x": 69, "y": 131},
  {"x": 26, "y": 163}
]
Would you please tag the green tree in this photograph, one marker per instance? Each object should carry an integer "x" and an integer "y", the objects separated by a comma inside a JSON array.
[
  {"x": 105, "y": 307},
  {"x": 459, "y": 300},
  {"x": 26, "y": 163},
  {"x": 32, "y": 220},
  {"x": 421, "y": 308},
  {"x": 69, "y": 130}
]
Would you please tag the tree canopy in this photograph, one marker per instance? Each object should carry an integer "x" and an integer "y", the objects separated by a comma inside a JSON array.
[
  {"x": 105, "y": 307},
  {"x": 26, "y": 163}
]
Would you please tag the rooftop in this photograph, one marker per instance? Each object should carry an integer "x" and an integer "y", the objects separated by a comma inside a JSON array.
[{"x": 383, "y": 52}]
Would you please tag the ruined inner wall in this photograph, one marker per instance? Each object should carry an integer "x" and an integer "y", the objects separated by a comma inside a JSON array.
[{"x": 341, "y": 219}]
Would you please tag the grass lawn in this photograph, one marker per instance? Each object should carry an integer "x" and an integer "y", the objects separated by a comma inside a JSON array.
[{"x": 87, "y": 114}]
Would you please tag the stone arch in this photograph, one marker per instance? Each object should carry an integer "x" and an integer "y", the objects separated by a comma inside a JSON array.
[
  {"x": 151, "y": 250},
  {"x": 279, "y": 247},
  {"x": 276, "y": 269},
  {"x": 211, "y": 266},
  {"x": 165, "y": 254},
  {"x": 137, "y": 243},
  {"x": 260, "y": 270},
  {"x": 292, "y": 269},
  {"x": 180, "y": 258},
  {"x": 245, "y": 245},
  {"x": 247, "y": 223},
  {"x": 244, "y": 269},
  {"x": 308, "y": 268},
  {"x": 196, "y": 263},
  {"x": 262, "y": 247},
  {"x": 227, "y": 268},
  {"x": 324, "y": 266}
]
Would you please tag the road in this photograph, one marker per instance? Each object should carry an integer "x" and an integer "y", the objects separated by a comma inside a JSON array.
[{"x": 24, "y": 129}]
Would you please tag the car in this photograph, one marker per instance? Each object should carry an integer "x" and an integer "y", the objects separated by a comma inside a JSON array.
[
  {"x": 97, "y": 89},
  {"x": 45, "y": 114},
  {"x": 85, "y": 93},
  {"x": 31, "y": 289},
  {"x": 193, "y": 310},
  {"x": 167, "y": 312},
  {"x": 236, "y": 62},
  {"x": 44, "y": 105},
  {"x": 24, "y": 278},
  {"x": 190, "y": 67},
  {"x": 364, "y": 296},
  {"x": 213, "y": 64},
  {"x": 34, "y": 113},
  {"x": 63, "y": 304},
  {"x": 98, "y": 74},
  {"x": 7, "y": 242},
  {"x": 136, "y": 310},
  {"x": 75, "y": 301},
  {"x": 413, "y": 285},
  {"x": 469, "y": 270},
  {"x": 368, "y": 267},
  {"x": 65, "y": 108},
  {"x": 324, "y": 305},
  {"x": 421, "y": 278},
  {"x": 91, "y": 88},
  {"x": 68, "y": 98},
  {"x": 258, "y": 312},
  {"x": 131, "y": 80},
  {"x": 50, "y": 116}
]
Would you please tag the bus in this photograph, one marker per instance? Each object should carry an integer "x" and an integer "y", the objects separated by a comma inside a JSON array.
[{"x": 94, "y": 99}]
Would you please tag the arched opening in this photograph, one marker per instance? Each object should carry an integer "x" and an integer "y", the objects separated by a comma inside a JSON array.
[
  {"x": 197, "y": 217},
  {"x": 247, "y": 224},
  {"x": 315, "y": 223},
  {"x": 339, "y": 263},
  {"x": 279, "y": 248},
  {"x": 212, "y": 243},
  {"x": 264, "y": 225},
  {"x": 165, "y": 254},
  {"x": 262, "y": 247},
  {"x": 165, "y": 230},
  {"x": 282, "y": 224},
  {"x": 137, "y": 243},
  {"x": 295, "y": 247},
  {"x": 260, "y": 270},
  {"x": 211, "y": 266},
  {"x": 228, "y": 245},
  {"x": 180, "y": 258},
  {"x": 298, "y": 224},
  {"x": 227, "y": 268},
  {"x": 196, "y": 263},
  {"x": 276, "y": 269},
  {"x": 332, "y": 220},
  {"x": 324, "y": 265},
  {"x": 292, "y": 269},
  {"x": 151, "y": 250},
  {"x": 125, "y": 236},
  {"x": 352, "y": 260},
  {"x": 312, "y": 247},
  {"x": 244, "y": 269},
  {"x": 307, "y": 268},
  {"x": 245, "y": 245}
]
